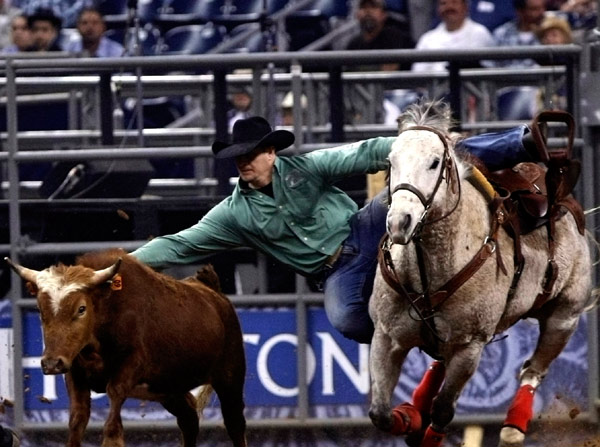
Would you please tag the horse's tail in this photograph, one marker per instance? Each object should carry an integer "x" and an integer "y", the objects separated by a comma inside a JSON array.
[{"x": 202, "y": 396}]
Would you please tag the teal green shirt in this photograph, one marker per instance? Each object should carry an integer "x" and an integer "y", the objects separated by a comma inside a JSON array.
[{"x": 305, "y": 222}]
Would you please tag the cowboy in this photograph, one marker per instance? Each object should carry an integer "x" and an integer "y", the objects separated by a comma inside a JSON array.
[{"x": 290, "y": 209}]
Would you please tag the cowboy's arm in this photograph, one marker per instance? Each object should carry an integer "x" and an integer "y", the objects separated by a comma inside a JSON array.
[
  {"x": 362, "y": 157},
  {"x": 213, "y": 233}
]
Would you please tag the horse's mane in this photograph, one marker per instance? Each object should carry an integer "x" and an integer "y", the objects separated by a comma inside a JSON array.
[{"x": 436, "y": 114}]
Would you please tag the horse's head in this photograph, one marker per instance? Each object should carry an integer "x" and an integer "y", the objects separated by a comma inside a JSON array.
[{"x": 422, "y": 171}]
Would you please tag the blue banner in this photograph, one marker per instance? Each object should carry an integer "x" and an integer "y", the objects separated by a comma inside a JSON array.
[{"x": 337, "y": 370}]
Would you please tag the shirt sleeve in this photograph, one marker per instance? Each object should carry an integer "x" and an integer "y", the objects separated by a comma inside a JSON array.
[
  {"x": 215, "y": 232},
  {"x": 363, "y": 157}
]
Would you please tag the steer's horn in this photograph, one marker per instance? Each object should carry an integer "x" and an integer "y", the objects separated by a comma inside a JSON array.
[
  {"x": 104, "y": 275},
  {"x": 23, "y": 272}
]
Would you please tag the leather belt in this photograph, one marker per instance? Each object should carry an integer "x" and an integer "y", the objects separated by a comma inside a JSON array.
[{"x": 334, "y": 257}]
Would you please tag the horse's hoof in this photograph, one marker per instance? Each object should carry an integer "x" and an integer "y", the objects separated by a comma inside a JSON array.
[
  {"x": 405, "y": 419},
  {"x": 511, "y": 437}
]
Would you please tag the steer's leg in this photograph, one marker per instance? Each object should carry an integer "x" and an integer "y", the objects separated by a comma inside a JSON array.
[
  {"x": 385, "y": 363},
  {"x": 113, "y": 427},
  {"x": 79, "y": 407},
  {"x": 183, "y": 407},
  {"x": 555, "y": 332},
  {"x": 459, "y": 370},
  {"x": 232, "y": 407}
]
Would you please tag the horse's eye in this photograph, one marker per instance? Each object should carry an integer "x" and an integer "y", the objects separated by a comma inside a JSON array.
[
  {"x": 81, "y": 310},
  {"x": 435, "y": 163}
]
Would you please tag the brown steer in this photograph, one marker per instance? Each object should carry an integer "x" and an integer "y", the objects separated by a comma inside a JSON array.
[{"x": 113, "y": 325}]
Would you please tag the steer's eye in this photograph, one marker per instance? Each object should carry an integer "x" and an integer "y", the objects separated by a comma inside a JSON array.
[
  {"x": 81, "y": 310},
  {"x": 435, "y": 163}
]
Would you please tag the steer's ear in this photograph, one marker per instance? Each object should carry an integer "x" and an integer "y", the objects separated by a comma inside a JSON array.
[{"x": 31, "y": 288}]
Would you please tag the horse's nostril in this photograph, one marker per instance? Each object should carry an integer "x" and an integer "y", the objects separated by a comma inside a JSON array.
[{"x": 407, "y": 221}]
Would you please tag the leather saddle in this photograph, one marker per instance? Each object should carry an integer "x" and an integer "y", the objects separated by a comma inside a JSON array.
[{"x": 539, "y": 192}]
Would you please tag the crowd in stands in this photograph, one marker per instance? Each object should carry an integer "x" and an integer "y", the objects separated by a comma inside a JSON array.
[
  {"x": 103, "y": 28},
  {"x": 384, "y": 24}
]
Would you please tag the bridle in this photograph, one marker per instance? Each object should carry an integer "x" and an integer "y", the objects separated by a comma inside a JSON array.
[
  {"x": 447, "y": 165},
  {"x": 425, "y": 303}
]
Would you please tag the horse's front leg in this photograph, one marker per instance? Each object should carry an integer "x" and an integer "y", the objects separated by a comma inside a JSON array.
[
  {"x": 79, "y": 409},
  {"x": 385, "y": 363},
  {"x": 459, "y": 369}
]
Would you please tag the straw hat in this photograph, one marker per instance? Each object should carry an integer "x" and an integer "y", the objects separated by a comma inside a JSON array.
[{"x": 555, "y": 22}]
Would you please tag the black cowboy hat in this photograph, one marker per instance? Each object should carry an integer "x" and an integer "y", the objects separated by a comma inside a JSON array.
[
  {"x": 250, "y": 133},
  {"x": 46, "y": 15}
]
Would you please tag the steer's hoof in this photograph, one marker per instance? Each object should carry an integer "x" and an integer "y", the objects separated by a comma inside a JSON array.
[{"x": 406, "y": 419}]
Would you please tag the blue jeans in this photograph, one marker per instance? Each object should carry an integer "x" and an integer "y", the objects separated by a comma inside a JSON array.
[{"x": 349, "y": 283}]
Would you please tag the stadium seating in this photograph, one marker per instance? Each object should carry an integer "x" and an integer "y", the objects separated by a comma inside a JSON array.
[
  {"x": 255, "y": 43},
  {"x": 116, "y": 12},
  {"x": 149, "y": 39},
  {"x": 185, "y": 12},
  {"x": 314, "y": 21},
  {"x": 192, "y": 39},
  {"x": 492, "y": 13}
]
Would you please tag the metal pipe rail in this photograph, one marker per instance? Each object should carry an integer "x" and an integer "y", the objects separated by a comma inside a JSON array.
[{"x": 308, "y": 59}]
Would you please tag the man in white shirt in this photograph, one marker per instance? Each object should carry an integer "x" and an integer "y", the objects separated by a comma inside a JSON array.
[{"x": 456, "y": 30}]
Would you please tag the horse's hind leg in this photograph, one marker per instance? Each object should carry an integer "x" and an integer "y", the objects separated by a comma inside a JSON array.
[
  {"x": 555, "y": 332},
  {"x": 385, "y": 363},
  {"x": 459, "y": 370},
  {"x": 183, "y": 407}
]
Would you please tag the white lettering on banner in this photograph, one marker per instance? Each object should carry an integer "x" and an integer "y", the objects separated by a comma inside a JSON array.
[
  {"x": 331, "y": 352},
  {"x": 262, "y": 367}
]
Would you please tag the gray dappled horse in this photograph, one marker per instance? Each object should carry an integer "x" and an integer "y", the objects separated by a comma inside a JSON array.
[{"x": 440, "y": 225}]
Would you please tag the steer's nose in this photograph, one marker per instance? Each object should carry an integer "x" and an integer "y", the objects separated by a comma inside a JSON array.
[{"x": 56, "y": 365}]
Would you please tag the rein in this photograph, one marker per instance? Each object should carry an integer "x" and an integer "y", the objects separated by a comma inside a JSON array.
[{"x": 426, "y": 303}]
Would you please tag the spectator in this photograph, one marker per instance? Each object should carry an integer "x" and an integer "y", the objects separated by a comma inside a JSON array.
[
  {"x": 456, "y": 30},
  {"x": 66, "y": 10},
  {"x": 8, "y": 438},
  {"x": 240, "y": 104},
  {"x": 554, "y": 31},
  {"x": 376, "y": 34},
  {"x": 287, "y": 108},
  {"x": 21, "y": 35},
  {"x": 91, "y": 27},
  {"x": 520, "y": 31},
  {"x": 45, "y": 30},
  {"x": 582, "y": 15},
  {"x": 7, "y": 14}
]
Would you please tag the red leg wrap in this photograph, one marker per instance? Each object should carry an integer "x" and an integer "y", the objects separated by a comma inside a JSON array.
[
  {"x": 431, "y": 382},
  {"x": 407, "y": 419},
  {"x": 521, "y": 410},
  {"x": 432, "y": 438}
]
